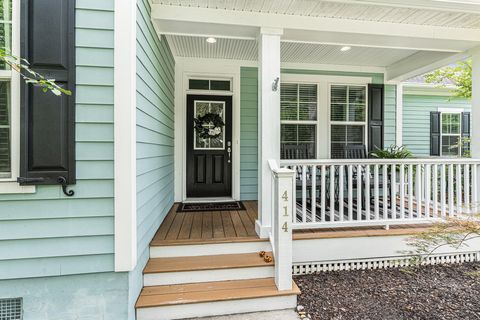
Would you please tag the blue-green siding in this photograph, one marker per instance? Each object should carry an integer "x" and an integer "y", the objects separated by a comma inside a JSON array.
[
  {"x": 46, "y": 233},
  {"x": 155, "y": 137},
  {"x": 390, "y": 115},
  {"x": 248, "y": 133},
  {"x": 416, "y": 119}
]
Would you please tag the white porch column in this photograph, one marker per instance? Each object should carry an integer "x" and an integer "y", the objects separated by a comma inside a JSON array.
[
  {"x": 475, "y": 114},
  {"x": 399, "y": 115},
  {"x": 268, "y": 122}
]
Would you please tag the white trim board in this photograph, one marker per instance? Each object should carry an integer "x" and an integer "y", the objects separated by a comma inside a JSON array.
[
  {"x": 125, "y": 135},
  {"x": 216, "y": 69}
]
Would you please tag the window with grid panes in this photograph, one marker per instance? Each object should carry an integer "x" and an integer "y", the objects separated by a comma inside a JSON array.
[
  {"x": 298, "y": 117},
  {"x": 348, "y": 117},
  {"x": 5, "y": 91}
]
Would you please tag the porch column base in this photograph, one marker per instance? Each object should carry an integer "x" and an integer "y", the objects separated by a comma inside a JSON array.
[{"x": 262, "y": 231}]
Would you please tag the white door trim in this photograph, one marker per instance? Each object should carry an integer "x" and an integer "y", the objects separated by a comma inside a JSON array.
[{"x": 188, "y": 68}]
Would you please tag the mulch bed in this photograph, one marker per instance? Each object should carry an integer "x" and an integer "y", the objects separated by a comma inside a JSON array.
[{"x": 428, "y": 292}]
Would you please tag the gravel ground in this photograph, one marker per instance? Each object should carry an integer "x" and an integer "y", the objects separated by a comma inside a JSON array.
[{"x": 429, "y": 292}]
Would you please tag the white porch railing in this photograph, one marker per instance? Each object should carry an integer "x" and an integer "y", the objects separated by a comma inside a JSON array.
[{"x": 360, "y": 192}]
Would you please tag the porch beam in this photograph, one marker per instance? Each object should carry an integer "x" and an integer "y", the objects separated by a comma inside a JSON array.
[
  {"x": 244, "y": 24},
  {"x": 420, "y": 63},
  {"x": 268, "y": 122}
]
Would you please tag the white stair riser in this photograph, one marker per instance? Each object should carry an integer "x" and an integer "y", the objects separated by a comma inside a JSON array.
[
  {"x": 217, "y": 308},
  {"x": 167, "y": 278},
  {"x": 208, "y": 249}
]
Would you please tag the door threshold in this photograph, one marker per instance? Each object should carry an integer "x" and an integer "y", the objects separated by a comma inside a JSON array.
[{"x": 203, "y": 200}]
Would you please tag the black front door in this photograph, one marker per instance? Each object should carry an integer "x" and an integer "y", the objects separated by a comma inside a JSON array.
[{"x": 209, "y": 146}]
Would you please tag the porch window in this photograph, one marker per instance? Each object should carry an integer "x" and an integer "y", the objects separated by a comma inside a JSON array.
[
  {"x": 5, "y": 88},
  {"x": 451, "y": 134},
  {"x": 348, "y": 118},
  {"x": 298, "y": 114}
]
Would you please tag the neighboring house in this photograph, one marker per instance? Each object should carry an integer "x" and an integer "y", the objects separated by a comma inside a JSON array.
[
  {"x": 427, "y": 103},
  {"x": 293, "y": 94}
]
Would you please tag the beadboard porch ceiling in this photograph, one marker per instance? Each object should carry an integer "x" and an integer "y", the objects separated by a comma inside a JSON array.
[
  {"x": 294, "y": 52},
  {"x": 461, "y": 14},
  {"x": 405, "y": 38}
]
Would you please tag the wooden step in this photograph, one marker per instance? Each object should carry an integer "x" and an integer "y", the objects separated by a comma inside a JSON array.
[
  {"x": 210, "y": 292},
  {"x": 213, "y": 262}
]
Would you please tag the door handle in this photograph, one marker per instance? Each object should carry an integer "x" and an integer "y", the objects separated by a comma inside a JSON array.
[{"x": 229, "y": 150}]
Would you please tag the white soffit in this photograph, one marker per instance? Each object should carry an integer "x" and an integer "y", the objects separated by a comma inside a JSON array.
[
  {"x": 458, "y": 15},
  {"x": 294, "y": 52}
]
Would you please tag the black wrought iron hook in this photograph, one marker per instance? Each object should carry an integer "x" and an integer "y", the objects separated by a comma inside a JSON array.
[{"x": 63, "y": 181}]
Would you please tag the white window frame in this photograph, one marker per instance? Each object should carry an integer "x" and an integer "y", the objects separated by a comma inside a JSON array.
[
  {"x": 9, "y": 185},
  {"x": 346, "y": 123},
  {"x": 304, "y": 122},
  {"x": 323, "y": 123},
  {"x": 459, "y": 135}
]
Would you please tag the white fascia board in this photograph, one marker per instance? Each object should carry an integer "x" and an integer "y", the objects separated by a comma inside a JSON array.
[
  {"x": 427, "y": 90},
  {"x": 223, "y": 18},
  {"x": 466, "y": 6},
  {"x": 125, "y": 136},
  {"x": 420, "y": 63}
]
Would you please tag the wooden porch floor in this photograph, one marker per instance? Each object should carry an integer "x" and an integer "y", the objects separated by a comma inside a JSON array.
[
  {"x": 209, "y": 226},
  {"x": 239, "y": 226}
]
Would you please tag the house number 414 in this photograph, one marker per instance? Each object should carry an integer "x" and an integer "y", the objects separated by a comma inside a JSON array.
[{"x": 285, "y": 211}]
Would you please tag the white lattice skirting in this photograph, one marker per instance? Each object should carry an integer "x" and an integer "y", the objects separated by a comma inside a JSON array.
[{"x": 381, "y": 263}]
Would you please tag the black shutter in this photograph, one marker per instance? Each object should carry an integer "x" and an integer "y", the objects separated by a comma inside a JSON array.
[
  {"x": 48, "y": 121},
  {"x": 465, "y": 133},
  {"x": 375, "y": 116},
  {"x": 435, "y": 133}
]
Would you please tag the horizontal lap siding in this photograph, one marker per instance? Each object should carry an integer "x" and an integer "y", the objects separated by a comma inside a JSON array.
[
  {"x": 416, "y": 119},
  {"x": 390, "y": 115},
  {"x": 47, "y": 233},
  {"x": 155, "y": 137},
  {"x": 248, "y": 133}
]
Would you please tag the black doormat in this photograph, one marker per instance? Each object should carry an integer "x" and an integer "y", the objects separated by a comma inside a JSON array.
[{"x": 211, "y": 206}]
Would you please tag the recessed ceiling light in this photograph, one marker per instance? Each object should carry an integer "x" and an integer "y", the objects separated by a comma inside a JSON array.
[
  {"x": 211, "y": 40},
  {"x": 345, "y": 48}
]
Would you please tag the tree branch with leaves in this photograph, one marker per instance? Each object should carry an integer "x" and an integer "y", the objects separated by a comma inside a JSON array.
[
  {"x": 459, "y": 75},
  {"x": 22, "y": 66}
]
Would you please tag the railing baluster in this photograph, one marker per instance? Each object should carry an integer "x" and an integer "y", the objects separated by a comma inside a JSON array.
[
  {"x": 294, "y": 195},
  {"x": 451, "y": 204},
  {"x": 410, "y": 191},
  {"x": 313, "y": 195},
  {"x": 367, "y": 192},
  {"x": 304, "y": 193},
  {"x": 376, "y": 200},
  {"x": 458, "y": 184},
  {"x": 323, "y": 194},
  {"x": 359, "y": 192},
  {"x": 350, "y": 192},
  {"x": 466, "y": 186},
  {"x": 385, "y": 191},
  {"x": 332, "y": 193},
  {"x": 427, "y": 190},
  {"x": 393, "y": 197},
  {"x": 340, "y": 191},
  {"x": 418, "y": 190},
  {"x": 474, "y": 187},
  {"x": 443, "y": 191},
  {"x": 402, "y": 191},
  {"x": 435, "y": 190}
]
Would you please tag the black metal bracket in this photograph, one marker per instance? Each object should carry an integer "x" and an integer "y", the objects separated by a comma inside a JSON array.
[{"x": 63, "y": 181}]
